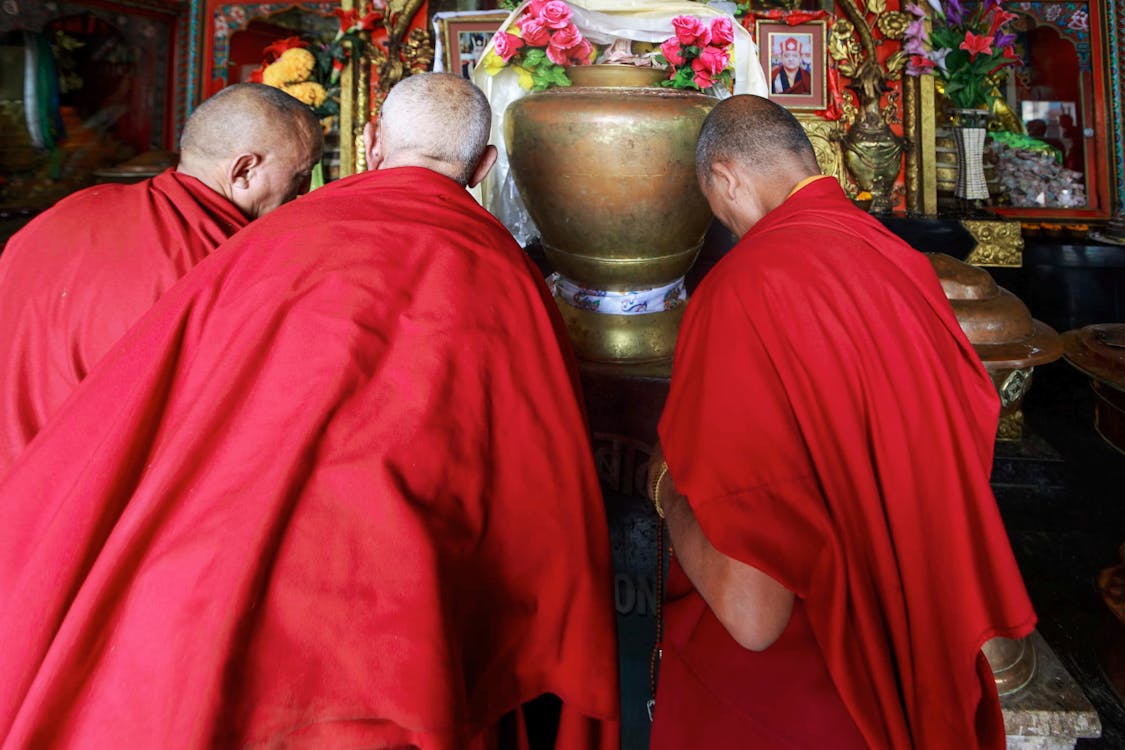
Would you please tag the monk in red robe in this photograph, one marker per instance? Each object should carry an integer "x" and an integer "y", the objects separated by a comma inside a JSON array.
[
  {"x": 839, "y": 559},
  {"x": 334, "y": 490},
  {"x": 79, "y": 275}
]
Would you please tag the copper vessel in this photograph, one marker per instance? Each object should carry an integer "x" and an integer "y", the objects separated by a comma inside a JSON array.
[
  {"x": 1007, "y": 339},
  {"x": 1099, "y": 352},
  {"x": 606, "y": 168}
]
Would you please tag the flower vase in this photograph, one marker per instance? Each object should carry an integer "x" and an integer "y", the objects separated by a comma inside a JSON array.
[
  {"x": 606, "y": 168},
  {"x": 969, "y": 137}
]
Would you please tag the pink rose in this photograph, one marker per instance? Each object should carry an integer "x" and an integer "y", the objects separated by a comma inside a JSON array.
[
  {"x": 566, "y": 37},
  {"x": 722, "y": 31},
  {"x": 534, "y": 32},
  {"x": 555, "y": 14},
  {"x": 711, "y": 59},
  {"x": 506, "y": 45},
  {"x": 535, "y": 7},
  {"x": 580, "y": 53},
  {"x": 558, "y": 56},
  {"x": 691, "y": 31},
  {"x": 672, "y": 52},
  {"x": 703, "y": 79}
]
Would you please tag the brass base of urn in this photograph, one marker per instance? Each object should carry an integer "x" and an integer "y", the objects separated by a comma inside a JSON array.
[
  {"x": 1012, "y": 661},
  {"x": 622, "y": 339}
]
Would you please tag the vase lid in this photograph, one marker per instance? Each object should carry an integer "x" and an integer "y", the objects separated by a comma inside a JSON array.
[
  {"x": 1099, "y": 351},
  {"x": 996, "y": 322}
]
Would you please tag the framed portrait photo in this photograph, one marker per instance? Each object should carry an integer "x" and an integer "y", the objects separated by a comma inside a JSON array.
[
  {"x": 794, "y": 60},
  {"x": 464, "y": 37}
]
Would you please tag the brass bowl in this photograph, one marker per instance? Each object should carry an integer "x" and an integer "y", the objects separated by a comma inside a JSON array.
[{"x": 1009, "y": 342}]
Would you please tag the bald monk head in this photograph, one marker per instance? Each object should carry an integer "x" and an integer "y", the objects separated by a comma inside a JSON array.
[
  {"x": 438, "y": 121},
  {"x": 751, "y": 154},
  {"x": 254, "y": 145}
]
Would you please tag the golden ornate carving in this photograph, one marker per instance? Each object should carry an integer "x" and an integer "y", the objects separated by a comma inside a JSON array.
[
  {"x": 400, "y": 54},
  {"x": 826, "y": 136},
  {"x": 1011, "y": 426},
  {"x": 872, "y": 152},
  {"x": 418, "y": 52},
  {"x": 999, "y": 242}
]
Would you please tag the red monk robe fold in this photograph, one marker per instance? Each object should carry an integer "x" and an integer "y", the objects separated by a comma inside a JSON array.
[
  {"x": 830, "y": 425},
  {"x": 334, "y": 490},
  {"x": 77, "y": 277}
]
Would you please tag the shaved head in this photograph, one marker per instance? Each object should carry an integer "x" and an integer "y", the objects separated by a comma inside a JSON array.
[
  {"x": 253, "y": 144},
  {"x": 755, "y": 133},
  {"x": 438, "y": 120},
  {"x": 750, "y": 155},
  {"x": 244, "y": 117}
]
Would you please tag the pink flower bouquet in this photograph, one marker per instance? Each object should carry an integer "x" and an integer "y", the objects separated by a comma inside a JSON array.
[
  {"x": 540, "y": 45},
  {"x": 699, "y": 55}
]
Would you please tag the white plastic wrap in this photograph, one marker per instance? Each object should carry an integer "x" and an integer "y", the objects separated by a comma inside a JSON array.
[{"x": 602, "y": 22}]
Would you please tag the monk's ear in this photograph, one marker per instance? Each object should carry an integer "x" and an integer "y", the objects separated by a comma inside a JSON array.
[
  {"x": 487, "y": 159},
  {"x": 373, "y": 145},
  {"x": 241, "y": 170},
  {"x": 726, "y": 181}
]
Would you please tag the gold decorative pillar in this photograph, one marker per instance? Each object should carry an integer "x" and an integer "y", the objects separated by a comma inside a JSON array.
[
  {"x": 354, "y": 100},
  {"x": 919, "y": 126},
  {"x": 403, "y": 51}
]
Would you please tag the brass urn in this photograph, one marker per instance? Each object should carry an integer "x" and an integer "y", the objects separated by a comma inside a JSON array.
[
  {"x": 1007, "y": 339},
  {"x": 606, "y": 168}
]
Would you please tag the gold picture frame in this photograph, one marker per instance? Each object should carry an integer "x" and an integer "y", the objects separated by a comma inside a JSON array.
[
  {"x": 464, "y": 38},
  {"x": 802, "y": 85}
]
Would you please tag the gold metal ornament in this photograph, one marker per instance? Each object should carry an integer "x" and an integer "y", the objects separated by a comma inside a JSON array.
[
  {"x": 826, "y": 137},
  {"x": 999, "y": 242},
  {"x": 872, "y": 151}
]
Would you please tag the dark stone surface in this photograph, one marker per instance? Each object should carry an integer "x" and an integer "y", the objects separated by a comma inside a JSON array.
[
  {"x": 1069, "y": 286},
  {"x": 1065, "y": 515}
]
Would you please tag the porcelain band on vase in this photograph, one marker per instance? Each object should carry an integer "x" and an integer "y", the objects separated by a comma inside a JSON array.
[{"x": 631, "y": 302}]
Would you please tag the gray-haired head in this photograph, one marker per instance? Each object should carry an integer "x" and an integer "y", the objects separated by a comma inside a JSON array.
[
  {"x": 437, "y": 120},
  {"x": 753, "y": 131}
]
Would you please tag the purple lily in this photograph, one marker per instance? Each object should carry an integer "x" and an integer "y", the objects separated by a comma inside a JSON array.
[
  {"x": 1003, "y": 40},
  {"x": 914, "y": 46},
  {"x": 954, "y": 12}
]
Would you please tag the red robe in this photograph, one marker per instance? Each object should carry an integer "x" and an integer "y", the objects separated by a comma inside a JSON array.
[
  {"x": 79, "y": 275},
  {"x": 334, "y": 490},
  {"x": 831, "y": 426}
]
